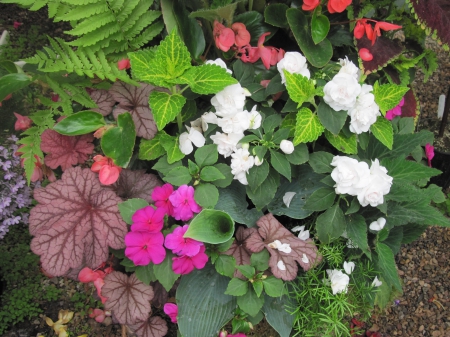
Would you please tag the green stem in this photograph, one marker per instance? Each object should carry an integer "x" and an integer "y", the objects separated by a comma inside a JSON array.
[
  {"x": 250, "y": 5},
  {"x": 180, "y": 123}
]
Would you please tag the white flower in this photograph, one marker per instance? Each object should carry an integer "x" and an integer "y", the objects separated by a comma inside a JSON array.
[
  {"x": 339, "y": 281},
  {"x": 378, "y": 225},
  {"x": 350, "y": 175},
  {"x": 226, "y": 143},
  {"x": 341, "y": 92},
  {"x": 241, "y": 162},
  {"x": 305, "y": 258},
  {"x": 349, "y": 267},
  {"x": 287, "y": 198},
  {"x": 376, "y": 282},
  {"x": 293, "y": 62},
  {"x": 379, "y": 185},
  {"x": 219, "y": 62},
  {"x": 254, "y": 118},
  {"x": 287, "y": 146},
  {"x": 303, "y": 235},
  {"x": 186, "y": 140},
  {"x": 282, "y": 247},
  {"x": 281, "y": 265},
  {"x": 348, "y": 67},
  {"x": 230, "y": 100},
  {"x": 365, "y": 111},
  {"x": 208, "y": 118},
  {"x": 237, "y": 123},
  {"x": 259, "y": 162}
]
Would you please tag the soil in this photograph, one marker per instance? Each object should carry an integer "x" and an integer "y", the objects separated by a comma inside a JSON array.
[{"x": 422, "y": 310}]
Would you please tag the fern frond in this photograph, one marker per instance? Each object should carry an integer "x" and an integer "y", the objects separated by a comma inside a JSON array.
[{"x": 80, "y": 12}]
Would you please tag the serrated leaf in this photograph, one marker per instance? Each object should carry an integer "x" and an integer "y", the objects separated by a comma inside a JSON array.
[
  {"x": 357, "y": 231},
  {"x": 273, "y": 286},
  {"x": 210, "y": 173},
  {"x": 164, "y": 272},
  {"x": 129, "y": 207},
  {"x": 208, "y": 79},
  {"x": 387, "y": 96},
  {"x": 260, "y": 260},
  {"x": 281, "y": 164},
  {"x": 331, "y": 224},
  {"x": 247, "y": 271},
  {"x": 164, "y": 166},
  {"x": 321, "y": 199},
  {"x": 225, "y": 265},
  {"x": 308, "y": 127},
  {"x": 171, "y": 145},
  {"x": 342, "y": 143},
  {"x": 275, "y": 14},
  {"x": 165, "y": 107},
  {"x": 237, "y": 287},
  {"x": 150, "y": 149},
  {"x": 300, "y": 88},
  {"x": 250, "y": 302},
  {"x": 206, "y": 155},
  {"x": 382, "y": 130}
]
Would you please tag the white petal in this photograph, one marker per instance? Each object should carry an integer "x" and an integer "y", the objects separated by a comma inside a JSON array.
[
  {"x": 376, "y": 282},
  {"x": 297, "y": 228},
  {"x": 196, "y": 138},
  {"x": 287, "y": 198},
  {"x": 303, "y": 235},
  {"x": 185, "y": 144},
  {"x": 285, "y": 248},
  {"x": 349, "y": 267},
  {"x": 281, "y": 265},
  {"x": 275, "y": 244},
  {"x": 305, "y": 259}
]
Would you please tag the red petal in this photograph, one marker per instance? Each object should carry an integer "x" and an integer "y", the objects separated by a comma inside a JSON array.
[{"x": 365, "y": 54}]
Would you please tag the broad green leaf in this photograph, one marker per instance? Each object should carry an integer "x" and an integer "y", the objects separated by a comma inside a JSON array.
[
  {"x": 320, "y": 161},
  {"x": 244, "y": 72},
  {"x": 271, "y": 122},
  {"x": 331, "y": 224},
  {"x": 257, "y": 175},
  {"x": 308, "y": 127},
  {"x": 260, "y": 261},
  {"x": 276, "y": 310},
  {"x": 280, "y": 135},
  {"x": 280, "y": 163},
  {"x": 206, "y": 155},
  {"x": 386, "y": 263},
  {"x": 129, "y": 207},
  {"x": 382, "y": 130},
  {"x": 407, "y": 170},
  {"x": 387, "y": 96},
  {"x": 165, "y": 107},
  {"x": 206, "y": 195},
  {"x": 342, "y": 143},
  {"x": 221, "y": 13},
  {"x": 145, "y": 69},
  {"x": 225, "y": 265},
  {"x": 211, "y": 226},
  {"x": 416, "y": 212},
  {"x": 320, "y": 26},
  {"x": 172, "y": 148},
  {"x": 193, "y": 168},
  {"x": 275, "y": 15},
  {"x": 164, "y": 272},
  {"x": 394, "y": 240},
  {"x": 321, "y": 199},
  {"x": 258, "y": 287},
  {"x": 145, "y": 274},
  {"x": 254, "y": 23},
  {"x": 300, "y": 88},
  {"x": 226, "y": 171},
  {"x": 210, "y": 173},
  {"x": 299, "y": 156},
  {"x": 11, "y": 83},
  {"x": 164, "y": 167},
  {"x": 118, "y": 142},
  {"x": 237, "y": 287},
  {"x": 264, "y": 194},
  {"x": 178, "y": 176},
  {"x": 332, "y": 120},
  {"x": 80, "y": 123},
  {"x": 273, "y": 286},
  {"x": 357, "y": 231},
  {"x": 208, "y": 79},
  {"x": 406, "y": 125},
  {"x": 151, "y": 149},
  {"x": 250, "y": 302}
]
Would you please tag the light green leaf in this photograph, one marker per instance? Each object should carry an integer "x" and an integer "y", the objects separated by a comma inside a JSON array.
[
  {"x": 299, "y": 87},
  {"x": 237, "y": 287},
  {"x": 164, "y": 272},
  {"x": 206, "y": 195},
  {"x": 250, "y": 302},
  {"x": 151, "y": 149},
  {"x": 342, "y": 143},
  {"x": 164, "y": 167},
  {"x": 225, "y": 265},
  {"x": 280, "y": 163},
  {"x": 211, "y": 226},
  {"x": 206, "y": 155},
  {"x": 226, "y": 171},
  {"x": 308, "y": 127},
  {"x": 129, "y": 207},
  {"x": 210, "y": 173},
  {"x": 332, "y": 120},
  {"x": 12, "y": 82},
  {"x": 387, "y": 96},
  {"x": 273, "y": 286},
  {"x": 382, "y": 130},
  {"x": 80, "y": 123},
  {"x": 258, "y": 287},
  {"x": 260, "y": 261},
  {"x": 331, "y": 224},
  {"x": 172, "y": 148},
  {"x": 178, "y": 176},
  {"x": 208, "y": 79},
  {"x": 165, "y": 107}
]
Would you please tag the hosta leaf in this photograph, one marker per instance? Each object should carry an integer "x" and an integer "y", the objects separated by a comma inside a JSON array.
[
  {"x": 308, "y": 127},
  {"x": 165, "y": 107}
]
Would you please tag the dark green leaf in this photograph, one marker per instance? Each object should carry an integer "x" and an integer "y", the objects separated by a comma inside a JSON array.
[
  {"x": 206, "y": 195},
  {"x": 260, "y": 260},
  {"x": 357, "y": 231},
  {"x": 164, "y": 272},
  {"x": 226, "y": 171},
  {"x": 320, "y": 26},
  {"x": 273, "y": 286},
  {"x": 331, "y": 224},
  {"x": 299, "y": 156},
  {"x": 178, "y": 176},
  {"x": 206, "y": 155},
  {"x": 11, "y": 83},
  {"x": 321, "y": 199},
  {"x": 237, "y": 287},
  {"x": 264, "y": 194},
  {"x": 250, "y": 302},
  {"x": 80, "y": 123},
  {"x": 145, "y": 274},
  {"x": 210, "y": 173},
  {"x": 280, "y": 163},
  {"x": 257, "y": 175},
  {"x": 320, "y": 161},
  {"x": 386, "y": 263},
  {"x": 275, "y": 15},
  {"x": 332, "y": 120}
]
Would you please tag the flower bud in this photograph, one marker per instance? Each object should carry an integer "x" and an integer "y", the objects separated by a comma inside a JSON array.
[
  {"x": 287, "y": 146},
  {"x": 245, "y": 146},
  {"x": 258, "y": 161}
]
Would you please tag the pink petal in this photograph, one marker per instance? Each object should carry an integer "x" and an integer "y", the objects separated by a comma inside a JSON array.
[
  {"x": 182, "y": 265},
  {"x": 109, "y": 174},
  {"x": 200, "y": 259},
  {"x": 171, "y": 310}
]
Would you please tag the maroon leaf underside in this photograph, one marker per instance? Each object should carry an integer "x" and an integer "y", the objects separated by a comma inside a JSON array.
[
  {"x": 153, "y": 327},
  {"x": 238, "y": 250},
  {"x": 161, "y": 294},
  {"x": 104, "y": 101},
  {"x": 127, "y": 297},
  {"x": 434, "y": 14},
  {"x": 135, "y": 101},
  {"x": 384, "y": 51},
  {"x": 74, "y": 222},
  {"x": 135, "y": 184},
  {"x": 65, "y": 150},
  {"x": 270, "y": 229},
  {"x": 411, "y": 106}
]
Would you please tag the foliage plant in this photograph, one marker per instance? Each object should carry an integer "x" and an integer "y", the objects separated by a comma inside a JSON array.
[{"x": 252, "y": 159}]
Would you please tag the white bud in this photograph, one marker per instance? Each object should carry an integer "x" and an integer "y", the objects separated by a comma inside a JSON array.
[
  {"x": 245, "y": 146},
  {"x": 258, "y": 161},
  {"x": 287, "y": 146}
]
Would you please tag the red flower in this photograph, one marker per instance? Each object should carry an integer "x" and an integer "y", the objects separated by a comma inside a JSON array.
[
  {"x": 108, "y": 171},
  {"x": 365, "y": 54},
  {"x": 338, "y": 6},
  {"x": 242, "y": 37},
  {"x": 223, "y": 36},
  {"x": 17, "y": 24},
  {"x": 269, "y": 55},
  {"x": 310, "y": 5},
  {"x": 6, "y": 98},
  {"x": 22, "y": 122},
  {"x": 124, "y": 64},
  {"x": 362, "y": 26}
]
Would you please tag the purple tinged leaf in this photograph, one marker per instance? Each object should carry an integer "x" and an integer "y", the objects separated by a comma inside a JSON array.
[
  {"x": 104, "y": 101},
  {"x": 238, "y": 250},
  {"x": 384, "y": 51},
  {"x": 152, "y": 327}
]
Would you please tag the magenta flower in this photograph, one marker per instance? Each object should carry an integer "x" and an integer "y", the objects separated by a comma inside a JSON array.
[
  {"x": 184, "y": 205},
  {"x": 397, "y": 111},
  {"x": 429, "y": 152},
  {"x": 144, "y": 247},
  {"x": 185, "y": 264},
  {"x": 181, "y": 246},
  {"x": 148, "y": 219},
  {"x": 161, "y": 197},
  {"x": 17, "y": 24},
  {"x": 171, "y": 310}
]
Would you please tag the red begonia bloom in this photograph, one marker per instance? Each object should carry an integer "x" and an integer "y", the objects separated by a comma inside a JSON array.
[
  {"x": 180, "y": 245},
  {"x": 363, "y": 26},
  {"x": 365, "y": 54},
  {"x": 87, "y": 275},
  {"x": 22, "y": 122},
  {"x": 223, "y": 36},
  {"x": 242, "y": 35},
  {"x": 144, "y": 247},
  {"x": 184, "y": 205},
  {"x": 185, "y": 264},
  {"x": 161, "y": 195},
  {"x": 429, "y": 152},
  {"x": 148, "y": 219},
  {"x": 310, "y": 5},
  {"x": 124, "y": 64},
  {"x": 338, "y": 6},
  {"x": 108, "y": 172},
  {"x": 17, "y": 24},
  {"x": 386, "y": 26},
  {"x": 171, "y": 310},
  {"x": 97, "y": 314}
]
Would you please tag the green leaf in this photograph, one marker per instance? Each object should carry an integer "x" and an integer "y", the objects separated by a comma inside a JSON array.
[
  {"x": 342, "y": 143},
  {"x": 320, "y": 26},
  {"x": 320, "y": 162},
  {"x": 206, "y": 195},
  {"x": 260, "y": 260},
  {"x": 273, "y": 286},
  {"x": 257, "y": 175},
  {"x": 254, "y": 22},
  {"x": 220, "y": 13},
  {"x": 382, "y": 130},
  {"x": 146, "y": 69},
  {"x": 406, "y": 125},
  {"x": 193, "y": 168},
  {"x": 145, "y": 274},
  {"x": 321, "y": 199},
  {"x": 225, "y": 265},
  {"x": 271, "y": 122},
  {"x": 386, "y": 263},
  {"x": 394, "y": 240},
  {"x": 407, "y": 170},
  {"x": 206, "y": 155},
  {"x": 332, "y": 120},
  {"x": 80, "y": 123},
  {"x": 164, "y": 272},
  {"x": 178, "y": 176},
  {"x": 357, "y": 231},
  {"x": 264, "y": 194},
  {"x": 275, "y": 15},
  {"x": 151, "y": 149},
  {"x": 226, "y": 171},
  {"x": 308, "y": 127},
  {"x": 258, "y": 287},
  {"x": 299, "y": 87},
  {"x": 11, "y": 83},
  {"x": 208, "y": 79},
  {"x": 165, "y": 107},
  {"x": 299, "y": 156},
  {"x": 211, "y": 226},
  {"x": 244, "y": 72},
  {"x": 280, "y": 135},
  {"x": 129, "y": 207},
  {"x": 210, "y": 173},
  {"x": 247, "y": 271},
  {"x": 164, "y": 167},
  {"x": 172, "y": 148},
  {"x": 250, "y": 302},
  {"x": 237, "y": 287},
  {"x": 280, "y": 163},
  {"x": 277, "y": 314},
  {"x": 416, "y": 212},
  {"x": 118, "y": 142},
  {"x": 331, "y": 224},
  {"x": 387, "y": 96},
  {"x": 317, "y": 54}
]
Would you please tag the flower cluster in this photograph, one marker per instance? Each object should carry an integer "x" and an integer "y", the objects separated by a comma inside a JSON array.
[
  {"x": 357, "y": 179},
  {"x": 108, "y": 172},
  {"x": 363, "y": 26},
  {"x": 15, "y": 195}
]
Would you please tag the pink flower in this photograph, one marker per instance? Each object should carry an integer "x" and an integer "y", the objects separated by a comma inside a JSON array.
[
  {"x": 185, "y": 264},
  {"x": 310, "y": 5},
  {"x": 143, "y": 248},
  {"x": 429, "y": 152},
  {"x": 171, "y": 310},
  {"x": 397, "y": 111},
  {"x": 365, "y": 54},
  {"x": 148, "y": 219},
  {"x": 181, "y": 246},
  {"x": 22, "y": 122},
  {"x": 269, "y": 55},
  {"x": 223, "y": 36},
  {"x": 161, "y": 197},
  {"x": 97, "y": 314},
  {"x": 17, "y": 24},
  {"x": 87, "y": 275},
  {"x": 242, "y": 37},
  {"x": 108, "y": 171},
  {"x": 99, "y": 283},
  {"x": 184, "y": 205},
  {"x": 124, "y": 64},
  {"x": 6, "y": 98},
  {"x": 55, "y": 98}
]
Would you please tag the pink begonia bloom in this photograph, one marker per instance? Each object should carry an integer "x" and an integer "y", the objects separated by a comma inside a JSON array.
[
  {"x": 148, "y": 219},
  {"x": 99, "y": 283},
  {"x": 184, "y": 205},
  {"x": 185, "y": 264},
  {"x": 429, "y": 152},
  {"x": 97, "y": 314},
  {"x": 171, "y": 310},
  {"x": 87, "y": 275},
  {"x": 22, "y": 122},
  {"x": 108, "y": 172},
  {"x": 143, "y": 248},
  {"x": 124, "y": 64},
  {"x": 17, "y": 24},
  {"x": 181, "y": 246},
  {"x": 397, "y": 111},
  {"x": 161, "y": 197}
]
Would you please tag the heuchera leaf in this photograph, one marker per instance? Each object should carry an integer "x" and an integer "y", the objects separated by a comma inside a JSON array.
[
  {"x": 135, "y": 184},
  {"x": 238, "y": 250},
  {"x": 270, "y": 229},
  {"x": 65, "y": 150},
  {"x": 153, "y": 327},
  {"x": 135, "y": 101},
  {"x": 75, "y": 221},
  {"x": 104, "y": 101},
  {"x": 127, "y": 297}
]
